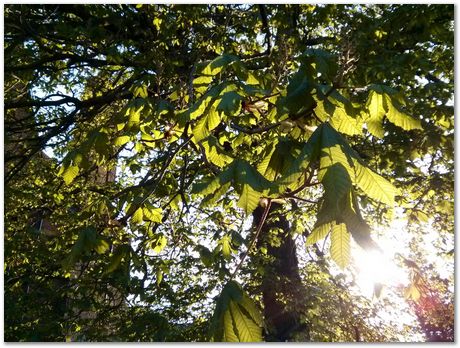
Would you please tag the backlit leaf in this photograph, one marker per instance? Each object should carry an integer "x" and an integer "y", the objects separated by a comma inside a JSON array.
[
  {"x": 247, "y": 329},
  {"x": 319, "y": 233},
  {"x": 374, "y": 185},
  {"x": 227, "y": 250},
  {"x": 137, "y": 216},
  {"x": 230, "y": 334},
  {"x": 249, "y": 199},
  {"x": 340, "y": 245},
  {"x": 70, "y": 173},
  {"x": 377, "y": 108},
  {"x": 236, "y": 318},
  {"x": 121, "y": 140},
  {"x": 206, "y": 124},
  {"x": 399, "y": 118},
  {"x": 215, "y": 152},
  {"x": 152, "y": 214}
]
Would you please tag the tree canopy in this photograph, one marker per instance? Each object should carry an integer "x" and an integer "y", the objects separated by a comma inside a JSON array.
[{"x": 207, "y": 172}]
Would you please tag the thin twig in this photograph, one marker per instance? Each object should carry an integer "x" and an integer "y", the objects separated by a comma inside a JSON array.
[{"x": 259, "y": 228}]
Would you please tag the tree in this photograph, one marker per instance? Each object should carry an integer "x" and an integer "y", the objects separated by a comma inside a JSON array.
[{"x": 304, "y": 121}]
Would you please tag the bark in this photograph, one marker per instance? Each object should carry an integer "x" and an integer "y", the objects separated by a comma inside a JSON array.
[{"x": 282, "y": 289}]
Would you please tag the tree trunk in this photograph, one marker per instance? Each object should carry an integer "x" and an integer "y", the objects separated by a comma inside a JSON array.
[{"x": 282, "y": 289}]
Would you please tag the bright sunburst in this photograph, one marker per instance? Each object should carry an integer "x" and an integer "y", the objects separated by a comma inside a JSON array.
[
  {"x": 380, "y": 267},
  {"x": 376, "y": 268}
]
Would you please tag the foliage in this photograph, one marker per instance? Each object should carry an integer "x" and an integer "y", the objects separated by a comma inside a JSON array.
[{"x": 168, "y": 128}]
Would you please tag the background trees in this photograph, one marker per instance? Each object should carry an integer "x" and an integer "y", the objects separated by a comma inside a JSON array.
[{"x": 336, "y": 116}]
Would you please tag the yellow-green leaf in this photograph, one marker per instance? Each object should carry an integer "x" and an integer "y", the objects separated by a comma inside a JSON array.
[
  {"x": 206, "y": 124},
  {"x": 137, "y": 216},
  {"x": 340, "y": 245},
  {"x": 248, "y": 330},
  {"x": 377, "y": 108},
  {"x": 236, "y": 317},
  {"x": 101, "y": 246},
  {"x": 215, "y": 153},
  {"x": 226, "y": 247},
  {"x": 229, "y": 332},
  {"x": 152, "y": 214},
  {"x": 338, "y": 118},
  {"x": 157, "y": 243},
  {"x": 252, "y": 309},
  {"x": 374, "y": 185},
  {"x": 376, "y": 105},
  {"x": 115, "y": 259},
  {"x": 399, "y": 118},
  {"x": 70, "y": 173},
  {"x": 249, "y": 199},
  {"x": 121, "y": 140},
  {"x": 319, "y": 233}
]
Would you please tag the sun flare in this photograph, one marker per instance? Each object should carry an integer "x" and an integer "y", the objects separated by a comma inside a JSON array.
[{"x": 375, "y": 269}]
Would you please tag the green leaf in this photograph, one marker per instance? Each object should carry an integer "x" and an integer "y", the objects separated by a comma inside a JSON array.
[
  {"x": 225, "y": 243},
  {"x": 150, "y": 213},
  {"x": 230, "y": 103},
  {"x": 338, "y": 118},
  {"x": 133, "y": 111},
  {"x": 279, "y": 157},
  {"x": 157, "y": 22},
  {"x": 70, "y": 173},
  {"x": 246, "y": 173},
  {"x": 323, "y": 62},
  {"x": 140, "y": 91},
  {"x": 211, "y": 185},
  {"x": 336, "y": 182},
  {"x": 157, "y": 243},
  {"x": 230, "y": 334},
  {"x": 251, "y": 308},
  {"x": 206, "y": 256},
  {"x": 77, "y": 249},
  {"x": 236, "y": 318},
  {"x": 207, "y": 71},
  {"x": 335, "y": 150},
  {"x": 309, "y": 154},
  {"x": 215, "y": 66},
  {"x": 215, "y": 152},
  {"x": 200, "y": 107},
  {"x": 376, "y": 104},
  {"x": 249, "y": 199},
  {"x": 319, "y": 233},
  {"x": 247, "y": 329},
  {"x": 420, "y": 215},
  {"x": 115, "y": 260},
  {"x": 121, "y": 140},
  {"x": 137, "y": 216},
  {"x": 214, "y": 197},
  {"x": 399, "y": 118},
  {"x": 340, "y": 245},
  {"x": 374, "y": 186},
  {"x": 206, "y": 124},
  {"x": 159, "y": 276},
  {"x": 298, "y": 95},
  {"x": 248, "y": 182},
  {"x": 377, "y": 107},
  {"x": 356, "y": 225},
  {"x": 101, "y": 246},
  {"x": 251, "y": 79}
]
